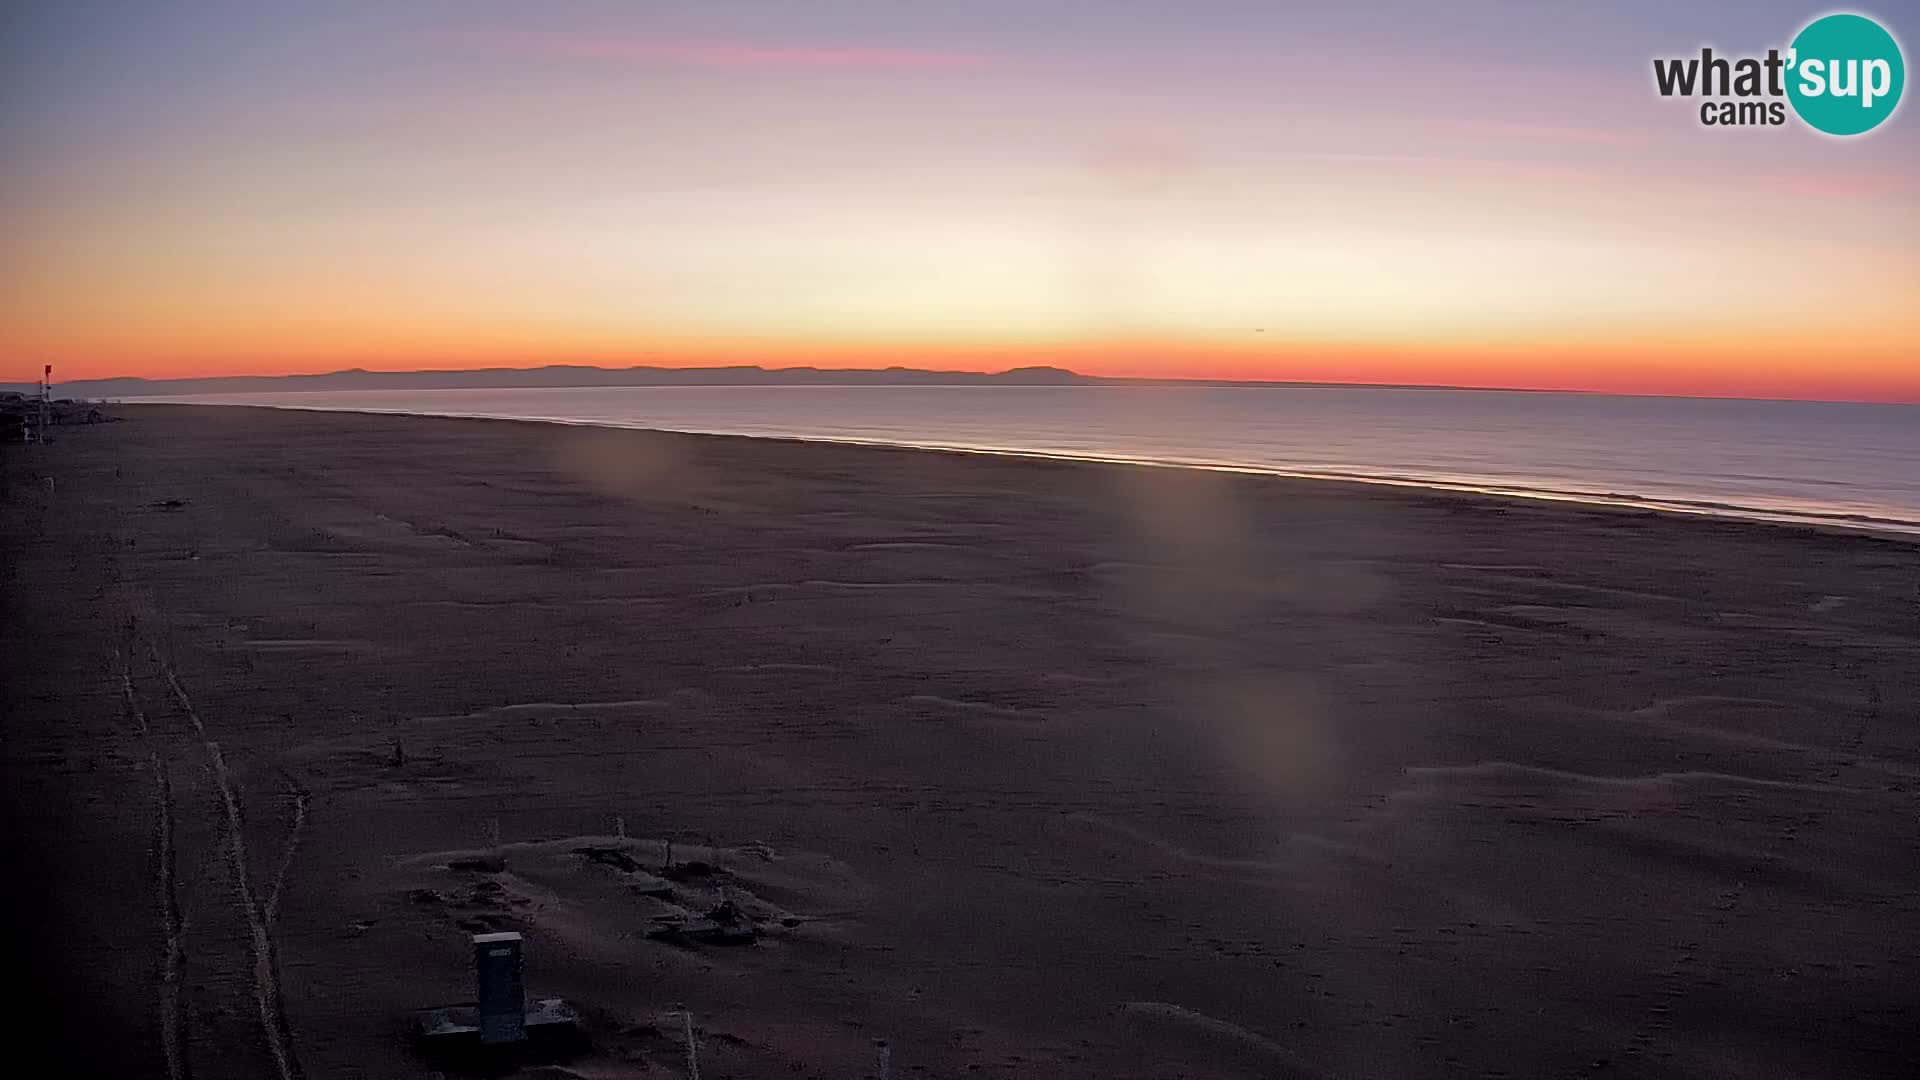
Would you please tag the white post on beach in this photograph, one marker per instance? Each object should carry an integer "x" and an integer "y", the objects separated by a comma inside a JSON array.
[
  {"x": 886, "y": 1059},
  {"x": 693, "y": 1050}
]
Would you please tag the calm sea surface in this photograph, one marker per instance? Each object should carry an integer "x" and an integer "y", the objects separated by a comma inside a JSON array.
[{"x": 1789, "y": 461}]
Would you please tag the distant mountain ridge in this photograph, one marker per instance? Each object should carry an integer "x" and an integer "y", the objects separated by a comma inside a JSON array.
[
  {"x": 578, "y": 375},
  {"x": 560, "y": 375}
]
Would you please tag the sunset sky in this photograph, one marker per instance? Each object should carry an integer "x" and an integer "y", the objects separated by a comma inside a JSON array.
[{"x": 1472, "y": 193}]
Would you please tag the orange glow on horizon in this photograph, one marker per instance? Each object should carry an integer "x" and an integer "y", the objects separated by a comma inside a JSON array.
[{"x": 1771, "y": 370}]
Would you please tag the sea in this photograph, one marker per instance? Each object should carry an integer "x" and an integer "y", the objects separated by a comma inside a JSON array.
[{"x": 1832, "y": 464}]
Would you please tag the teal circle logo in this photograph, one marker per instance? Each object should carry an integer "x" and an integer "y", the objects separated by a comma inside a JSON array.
[{"x": 1845, "y": 74}]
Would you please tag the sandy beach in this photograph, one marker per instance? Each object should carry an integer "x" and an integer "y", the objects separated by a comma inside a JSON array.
[{"x": 1032, "y": 768}]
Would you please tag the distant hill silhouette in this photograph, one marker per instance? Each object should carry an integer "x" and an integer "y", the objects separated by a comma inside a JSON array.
[
  {"x": 557, "y": 375},
  {"x": 563, "y": 375}
]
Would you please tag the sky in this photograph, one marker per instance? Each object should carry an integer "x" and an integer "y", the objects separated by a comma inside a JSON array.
[{"x": 1475, "y": 193}]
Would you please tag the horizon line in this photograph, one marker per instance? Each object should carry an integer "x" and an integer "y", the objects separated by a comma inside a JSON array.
[{"x": 1079, "y": 378}]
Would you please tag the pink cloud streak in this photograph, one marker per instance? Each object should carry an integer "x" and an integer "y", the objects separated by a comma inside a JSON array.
[
  {"x": 1562, "y": 134},
  {"x": 698, "y": 52},
  {"x": 1842, "y": 185}
]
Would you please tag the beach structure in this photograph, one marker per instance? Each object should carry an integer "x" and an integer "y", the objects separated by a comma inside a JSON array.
[
  {"x": 25, "y": 418},
  {"x": 500, "y": 1023},
  {"x": 497, "y": 965},
  {"x": 15, "y": 425}
]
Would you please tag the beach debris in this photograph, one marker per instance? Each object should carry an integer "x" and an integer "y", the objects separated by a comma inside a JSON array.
[
  {"x": 610, "y": 856},
  {"x": 692, "y": 869},
  {"x": 674, "y": 931},
  {"x": 399, "y": 758},
  {"x": 168, "y": 504},
  {"x": 694, "y": 905},
  {"x": 726, "y": 913},
  {"x": 717, "y": 934}
]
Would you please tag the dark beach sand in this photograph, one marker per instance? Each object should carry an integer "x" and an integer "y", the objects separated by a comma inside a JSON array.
[{"x": 1055, "y": 770}]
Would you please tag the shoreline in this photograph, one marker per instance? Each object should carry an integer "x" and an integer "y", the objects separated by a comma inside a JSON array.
[{"x": 1897, "y": 529}]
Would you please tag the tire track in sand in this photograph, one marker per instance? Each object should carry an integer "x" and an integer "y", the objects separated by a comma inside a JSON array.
[
  {"x": 266, "y": 977},
  {"x": 173, "y": 1041},
  {"x": 301, "y": 798}
]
